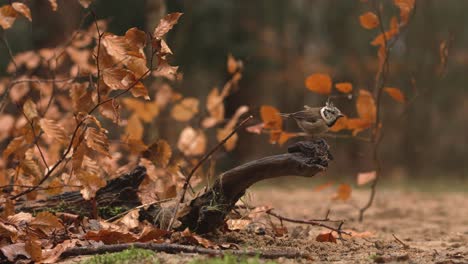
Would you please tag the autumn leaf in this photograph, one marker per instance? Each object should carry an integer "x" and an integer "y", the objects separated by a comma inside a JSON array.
[
  {"x": 326, "y": 237},
  {"x": 166, "y": 24},
  {"x": 134, "y": 128},
  {"x": 215, "y": 107},
  {"x": 185, "y": 110},
  {"x": 110, "y": 236},
  {"x": 52, "y": 129},
  {"x": 46, "y": 222},
  {"x": 365, "y": 106},
  {"x": 30, "y": 110},
  {"x": 405, "y": 7},
  {"x": 192, "y": 142},
  {"x": 33, "y": 247},
  {"x": 271, "y": 117},
  {"x": 340, "y": 124},
  {"x": 146, "y": 111},
  {"x": 366, "y": 177},
  {"x": 7, "y": 16},
  {"x": 97, "y": 140},
  {"x": 285, "y": 136},
  {"x": 159, "y": 153},
  {"x": 90, "y": 183},
  {"x": 53, "y": 5},
  {"x": 255, "y": 129},
  {"x": 85, "y": 3},
  {"x": 231, "y": 64},
  {"x": 395, "y": 93},
  {"x": 22, "y": 9},
  {"x": 319, "y": 83},
  {"x": 343, "y": 193},
  {"x": 344, "y": 87},
  {"x": 369, "y": 20},
  {"x": 357, "y": 125}
]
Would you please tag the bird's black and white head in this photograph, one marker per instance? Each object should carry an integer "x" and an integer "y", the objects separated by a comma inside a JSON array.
[{"x": 330, "y": 113}]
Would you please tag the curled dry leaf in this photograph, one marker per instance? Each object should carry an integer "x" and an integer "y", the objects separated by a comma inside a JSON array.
[
  {"x": 366, "y": 177},
  {"x": 192, "y": 142},
  {"x": 343, "y": 193},
  {"x": 22, "y": 9},
  {"x": 110, "y": 237},
  {"x": 13, "y": 251},
  {"x": 159, "y": 153},
  {"x": 166, "y": 24},
  {"x": 271, "y": 117},
  {"x": 46, "y": 222},
  {"x": 344, "y": 87},
  {"x": 7, "y": 16},
  {"x": 395, "y": 93},
  {"x": 369, "y": 20},
  {"x": 365, "y": 106},
  {"x": 185, "y": 110},
  {"x": 97, "y": 140},
  {"x": 326, "y": 237},
  {"x": 33, "y": 247},
  {"x": 319, "y": 83}
]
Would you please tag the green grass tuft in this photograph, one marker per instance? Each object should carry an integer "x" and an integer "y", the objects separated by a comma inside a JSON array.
[
  {"x": 230, "y": 259},
  {"x": 132, "y": 255}
]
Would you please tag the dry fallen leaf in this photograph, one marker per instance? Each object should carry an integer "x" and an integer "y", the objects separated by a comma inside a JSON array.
[
  {"x": 326, "y": 237},
  {"x": 343, "y": 193},
  {"x": 159, "y": 153}
]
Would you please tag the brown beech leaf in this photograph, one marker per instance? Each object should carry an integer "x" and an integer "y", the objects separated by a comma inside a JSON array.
[
  {"x": 13, "y": 251},
  {"x": 53, "y": 255},
  {"x": 369, "y": 20},
  {"x": 395, "y": 93},
  {"x": 192, "y": 142},
  {"x": 405, "y": 7},
  {"x": 343, "y": 193},
  {"x": 90, "y": 183},
  {"x": 33, "y": 247},
  {"x": 53, "y": 5},
  {"x": 22, "y": 9},
  {"x": 285, "y": 136},
  {"x": 215, "y": 106},
  {"x": 344, "y": 87},
  {"x": 185, "y": 109},
  {"x": 271, "y": 117},
  {"x": 53, "y": 129},
  {"x": 357, "y": 125},
  {"x": 319, "y": 83},
  {"x": 134, "y": 128},
  {"x": 146, "y": 111},
  {"x": 159, "y": 153},
  {"x": 366, "y": 177},
  {"x": 46, "y": 222},
  {"x": 231, "y": 64},
  {"x": 118, "y": 78},
  {"x": 165, "y": 70},
  {"x": 340, "y": 124},
  {"x": 150, "y": 233},
  {"x": 97, "y": 140},
  {"x": 7, "y": 16},
  {"x": 166, "y": 24},
  {"x": 30, "y": 110},
  {"x": 110, "y": 237},
  {"x": 326, "y": 237},
  {"x": 365, "y": 106},
  {"x": 17, "y": 145},
  {"x": 255, "y": 129},
  {"x": 85, "y": 3},
  {"x": 231, "y": 142}
]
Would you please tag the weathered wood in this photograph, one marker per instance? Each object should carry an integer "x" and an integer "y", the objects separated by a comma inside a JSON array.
[{"x": 208, "y": 211}]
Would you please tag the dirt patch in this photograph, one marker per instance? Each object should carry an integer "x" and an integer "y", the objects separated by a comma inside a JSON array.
[{"x": 433, "y": 225}]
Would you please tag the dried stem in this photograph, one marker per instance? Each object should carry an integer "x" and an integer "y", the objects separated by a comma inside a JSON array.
[{"x": 200, "y": 162}]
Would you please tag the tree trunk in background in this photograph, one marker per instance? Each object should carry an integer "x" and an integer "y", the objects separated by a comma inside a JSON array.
[{"x": 155, "y": 10}]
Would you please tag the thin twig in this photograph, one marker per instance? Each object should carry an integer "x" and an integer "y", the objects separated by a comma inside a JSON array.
[
  {"x": 308, "y": 222},
  {"x": 405, "y": 246},
  {"x": 200, "y": 162}
]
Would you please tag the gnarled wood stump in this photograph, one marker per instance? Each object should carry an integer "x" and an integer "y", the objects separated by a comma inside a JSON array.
[{"x": 206, "y": 212}]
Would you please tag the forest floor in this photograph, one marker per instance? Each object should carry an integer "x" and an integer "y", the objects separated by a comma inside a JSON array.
[{"x": 433, "y": 226}]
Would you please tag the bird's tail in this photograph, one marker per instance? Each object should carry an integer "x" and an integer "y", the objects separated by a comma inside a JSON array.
[{"x": 285, "y": 115}]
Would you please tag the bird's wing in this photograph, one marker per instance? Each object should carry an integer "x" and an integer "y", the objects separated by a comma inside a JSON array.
[{"x": 311, "y": 115}]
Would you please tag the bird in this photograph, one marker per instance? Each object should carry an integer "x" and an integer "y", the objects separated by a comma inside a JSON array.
[{"x": 315, "y": 121}]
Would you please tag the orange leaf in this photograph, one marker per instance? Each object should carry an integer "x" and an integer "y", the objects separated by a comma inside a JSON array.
[
  {"x": 231, "y": 64},
  {"x": 22, "y": 9},
  {"x": 369, "y": 20},
  {"x": 271, "y": 117},
  {"x": 30, "y": 110},
  {"x": 192, "y": 142},
  {"x": 365, "y": 106},
  {"x": 275, "y": 136},
  {"x": 134, "y": 128},
  {"x": 285, "y": 136},
  {"x": 405, "y": 7},
  {"x": 110, "y": 237},
  {"x": 357, "y": 125},
  {"x": 366, "y": 177},
  {"x": 344, "y": 87},
  {"x": 53, "y": 129},
  {"x": 340, "y": 124},
  {"x": 395, "y": 93},
  {"x": 7, "y": 16},
  {"x": 185, "y": 110},
  {"x": 97, "y": 140},
  {"x": 159, "y": 153},
  {"x": 319, "y": 83},
  {"x": 327, "y": 237},
  {"x": 166, "y": 24},
  {"x": 343, "y": 193}
]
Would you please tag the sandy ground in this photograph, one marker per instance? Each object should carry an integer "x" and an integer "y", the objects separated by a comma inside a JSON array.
[{"x": 433, "y": 225}]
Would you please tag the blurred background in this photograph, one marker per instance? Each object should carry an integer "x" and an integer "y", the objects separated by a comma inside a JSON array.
[{"x": 281, "y": 43}]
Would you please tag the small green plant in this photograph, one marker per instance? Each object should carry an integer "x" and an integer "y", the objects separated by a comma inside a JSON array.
[{"x": 132, "y": 255}]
